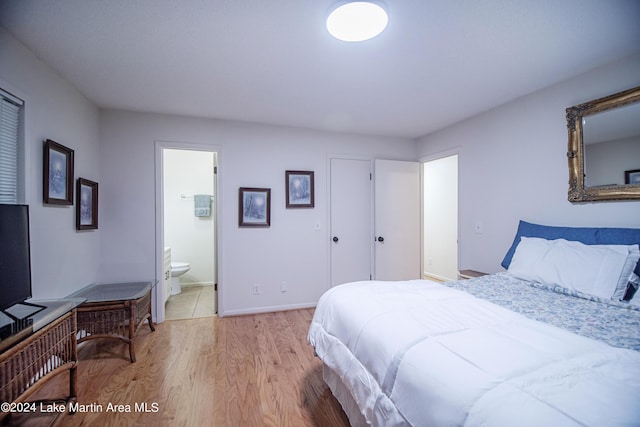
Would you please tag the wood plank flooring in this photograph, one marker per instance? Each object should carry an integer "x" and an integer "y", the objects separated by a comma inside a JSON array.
[{"x": 254, "y": 370}]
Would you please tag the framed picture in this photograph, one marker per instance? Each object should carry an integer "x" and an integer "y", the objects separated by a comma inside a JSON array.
[
  {"x": 632, "y": 176},
  {"x": 299, "y": 189},
  {"x": 254, "y": 208},
  {"x": 86, "y": 204},
  {"x": 58, "y": 174}
]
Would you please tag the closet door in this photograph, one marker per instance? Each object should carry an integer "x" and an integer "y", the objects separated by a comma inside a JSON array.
[
  {"x": 351, "y": 219},
  {"x": 397, "y": 220}
]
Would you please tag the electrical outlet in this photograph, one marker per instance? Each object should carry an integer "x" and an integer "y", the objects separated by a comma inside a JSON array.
[
  {"x": 478, "y": 227},
  {"x": 283, "y": 287},
  {"x": 256, "y": 289}
]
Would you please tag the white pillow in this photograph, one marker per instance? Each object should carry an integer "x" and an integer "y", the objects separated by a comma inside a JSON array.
[{"x": 599, "y": 270}]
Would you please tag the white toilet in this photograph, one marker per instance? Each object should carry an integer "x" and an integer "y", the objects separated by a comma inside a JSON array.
[{"x": 177, "y": 270}]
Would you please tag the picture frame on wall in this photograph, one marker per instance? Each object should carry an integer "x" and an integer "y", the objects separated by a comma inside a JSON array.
[
  {"x": 254, "y": 207},
  {"x": 58, "y": 174},
  {"x": 86, "y": 204},
  {"x": 299, "y": 189},
  {"x": 632, "y": 177}
]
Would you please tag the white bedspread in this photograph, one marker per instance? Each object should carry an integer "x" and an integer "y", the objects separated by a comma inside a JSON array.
[{"x": 422, "y": 354}]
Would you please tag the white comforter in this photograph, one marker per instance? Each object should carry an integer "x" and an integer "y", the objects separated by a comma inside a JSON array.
[{"x": 422, "y": 354}]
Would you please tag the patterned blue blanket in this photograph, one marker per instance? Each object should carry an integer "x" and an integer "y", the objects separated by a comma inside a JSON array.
[{"x": 615, "y": 323}]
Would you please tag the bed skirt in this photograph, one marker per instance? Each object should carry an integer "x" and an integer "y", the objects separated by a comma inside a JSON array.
[{"x": 349, "y": 405}]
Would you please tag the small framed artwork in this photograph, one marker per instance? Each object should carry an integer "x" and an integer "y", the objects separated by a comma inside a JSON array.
[
  {"x": 254, "y": 208},
  {"x": 632, "y": 177},
  {"x": 86, "y": 204},
  {"x": 299, "y": 189},
  {"x": 58, "y": 174}
]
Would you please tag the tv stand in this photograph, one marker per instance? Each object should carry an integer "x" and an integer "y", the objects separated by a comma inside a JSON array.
[
  {"x": 18, "y": 317},
  {"x": 25, "y": 309},
  {"x": 38, "y": 353}
]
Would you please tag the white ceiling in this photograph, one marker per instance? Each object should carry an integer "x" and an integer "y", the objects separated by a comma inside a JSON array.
[{"x": 438, "y": 61}]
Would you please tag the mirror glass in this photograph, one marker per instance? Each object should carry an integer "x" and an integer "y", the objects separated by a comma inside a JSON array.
[
  {"x": 611, "y": 145},
  {"x": 604, "y": 148}
]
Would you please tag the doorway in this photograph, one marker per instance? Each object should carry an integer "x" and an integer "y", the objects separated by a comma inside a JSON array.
[
  {"x": 186, "y": 230},
  {"x": 440, "y": 220}
]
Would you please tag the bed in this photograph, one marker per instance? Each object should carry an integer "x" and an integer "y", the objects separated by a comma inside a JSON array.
[{"x": 534, "y": 345}]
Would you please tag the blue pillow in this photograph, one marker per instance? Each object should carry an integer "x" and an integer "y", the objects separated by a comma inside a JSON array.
[{"x": 586, "y": 235}]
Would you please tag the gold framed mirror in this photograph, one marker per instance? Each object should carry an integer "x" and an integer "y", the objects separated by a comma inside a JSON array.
[{"x": 604, "y": 148}]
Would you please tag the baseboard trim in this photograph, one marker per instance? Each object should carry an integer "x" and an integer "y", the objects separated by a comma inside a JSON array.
[
  {"x": 271, "y": 309},
  {"x": 435, "y": 277},
  {"x": 186, "y": 285}
]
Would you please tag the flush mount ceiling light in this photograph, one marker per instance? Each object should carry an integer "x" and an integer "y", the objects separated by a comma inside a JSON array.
[{"x": 357, "y": 21}]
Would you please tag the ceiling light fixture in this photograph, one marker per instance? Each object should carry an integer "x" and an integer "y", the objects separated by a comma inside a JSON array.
[{"x": 357, "y": 21}]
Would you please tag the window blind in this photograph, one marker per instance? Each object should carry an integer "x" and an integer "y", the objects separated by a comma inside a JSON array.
[{"x": 10, "y": 111}]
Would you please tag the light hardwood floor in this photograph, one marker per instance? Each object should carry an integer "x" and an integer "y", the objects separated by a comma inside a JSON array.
[{"x": 254, "y": 370}]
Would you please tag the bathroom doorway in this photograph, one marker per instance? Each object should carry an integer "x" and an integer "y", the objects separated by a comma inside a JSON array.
[{"x": 187, "y": 231}]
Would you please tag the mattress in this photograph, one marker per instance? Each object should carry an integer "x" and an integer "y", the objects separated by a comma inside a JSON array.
[{"x": 422, "y": 353}]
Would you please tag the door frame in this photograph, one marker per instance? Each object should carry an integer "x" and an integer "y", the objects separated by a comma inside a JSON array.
[
  {"x": 370, "y": 159},
  {"x": 428, "y": 158},
  {"x": 160, "y": 146}
]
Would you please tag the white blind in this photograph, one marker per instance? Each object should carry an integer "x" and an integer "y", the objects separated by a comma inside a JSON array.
[{"x": 10, "y": 110}]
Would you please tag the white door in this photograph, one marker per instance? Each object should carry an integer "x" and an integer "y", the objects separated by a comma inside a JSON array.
[
  {"x": 397, "y": 220},
  {"x": 351, "y": 231}
]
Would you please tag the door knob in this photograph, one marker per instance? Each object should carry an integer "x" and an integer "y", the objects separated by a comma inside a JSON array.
[
  {"x": 380, "y": 239},
  {"x": 335, "y": 239}
]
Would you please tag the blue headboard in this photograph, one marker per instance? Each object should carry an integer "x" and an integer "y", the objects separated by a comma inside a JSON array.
[{"x": 586, "y": 235}]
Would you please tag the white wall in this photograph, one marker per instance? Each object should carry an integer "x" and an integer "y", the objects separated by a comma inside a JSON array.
[
  {"x": 191, "y": 238},
  {"x": 513, "y": 166},
  {"x": 63, "y": 259},
  {"x": 249, "y": 156},
  {"x": 440, "y": 225}
]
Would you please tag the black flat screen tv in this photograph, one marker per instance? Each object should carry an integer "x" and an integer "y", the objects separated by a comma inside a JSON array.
[{"x": 15, "y": 255}]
